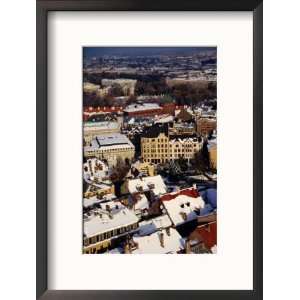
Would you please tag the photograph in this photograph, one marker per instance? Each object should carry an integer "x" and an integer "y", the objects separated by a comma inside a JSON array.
[{"x": 149, "y": 150}]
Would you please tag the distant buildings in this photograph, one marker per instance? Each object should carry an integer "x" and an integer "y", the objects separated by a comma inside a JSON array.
[
  {"x": 104, "y": 225},
  {"x": 145, "y": 109},
  {"x": 157, "y": 146},
  {"x": 127, "y": 85},
  {"x": 110, "y": 147},
  {"x": 96, "y": 89}
]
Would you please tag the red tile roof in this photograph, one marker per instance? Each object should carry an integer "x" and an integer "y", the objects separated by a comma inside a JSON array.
[
  {"x": 187, "y": 192},
  {"x": 207, "y": 234}
]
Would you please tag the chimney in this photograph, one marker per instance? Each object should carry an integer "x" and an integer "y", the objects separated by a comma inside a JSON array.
[
  {"x": 161, "y": 239},
  {"x": 168, "y": 231},
  {"x": 187, "y": 246},
  {"x": 127, "y": 249}
]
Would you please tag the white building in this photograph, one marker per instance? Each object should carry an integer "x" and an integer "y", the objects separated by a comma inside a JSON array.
[
  {"x": 92, "y": 129},
  {"x": 110, "y": 147}
]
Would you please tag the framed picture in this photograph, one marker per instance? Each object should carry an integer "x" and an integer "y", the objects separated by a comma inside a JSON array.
[{"x": 149, "y": 142}]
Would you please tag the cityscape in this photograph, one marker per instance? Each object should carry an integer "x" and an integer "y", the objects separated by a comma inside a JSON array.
[{"x": 149, "y": 150}]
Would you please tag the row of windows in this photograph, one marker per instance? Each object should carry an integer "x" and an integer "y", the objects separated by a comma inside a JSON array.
[{"x": 109, "y": 234}]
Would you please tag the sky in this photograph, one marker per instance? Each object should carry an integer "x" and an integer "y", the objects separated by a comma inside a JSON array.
[{"x": 136, "y": 51}]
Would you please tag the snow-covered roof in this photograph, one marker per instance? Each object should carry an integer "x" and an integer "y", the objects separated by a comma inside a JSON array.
[
  {"x": 100, "y": 220},
  {"x": 104, "y": 125},
  {"x": 88, "y": 202},
  {"x": 172, "y": 242},
  {"x": 142, "y": 203},
  {"x": 150, "y": 226},
  {"x": 141, "y": 107},
  {"x": 109, "y": 141},
  {"x": 182, "y": 206},
  {"x": 166, "y": 118},
  {"x": 155, "y": 183},
  {"x": 95, "y": 168}
]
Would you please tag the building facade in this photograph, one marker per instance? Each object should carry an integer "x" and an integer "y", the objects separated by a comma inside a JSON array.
[
  {"x": 158, "y": 147},
  {"x": 110, "y": 147},
  {"x": 206, "y": 125},
  {"x": 106, "y": 224}
]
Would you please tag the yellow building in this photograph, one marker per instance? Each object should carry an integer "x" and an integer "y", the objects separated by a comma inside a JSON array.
[
  {"x": 99, "y": 189},
  {"x": 146, "y": 168},
  {"x": 212, "y": 149},
  {"x": 158, "y": 147}
]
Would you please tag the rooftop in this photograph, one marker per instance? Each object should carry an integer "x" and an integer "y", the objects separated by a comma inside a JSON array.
[
  {"x": 183, "y": 206},
  {"x": 106, "y": 141},
  {"x": 155, "y": 130},
  {"x": 141, "y": 107},
  {"x": 154, "y": 183},
  {"x": 150, "y": 226},
  {"x": 172, "y": 242},
  {"x": 109, "y": 216}
]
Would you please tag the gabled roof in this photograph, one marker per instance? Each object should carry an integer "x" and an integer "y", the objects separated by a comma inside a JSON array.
[
  {"x": 184, "y": 115},
  {"x": 183, "y": 206},
  {"x": 155, "y": 130}
]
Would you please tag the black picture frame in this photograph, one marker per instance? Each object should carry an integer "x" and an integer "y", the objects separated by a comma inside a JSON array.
[{"x": 43, "y": 7}]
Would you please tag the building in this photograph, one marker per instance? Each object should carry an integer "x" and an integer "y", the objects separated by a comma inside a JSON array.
[
  {"x": 157, "y": 146},
  {"x": 95, "y": 170},
  {"x": 145, "y": 184},
  {"x": 127, "y": 85},
  {"x": 146, "y": 168},
  {"x": 204, "y": 239},
  {"x": 141, "y": 169},
  {"x": 110, "y": 147},
  {"x": 100, "y": 190},
  {"x": 164, "y": 241},
  {"x": 92, "y": 129},
  {"x": 96, "y": 89},
  {"x": 212, "y": 150},
  {"x": 206, "y": 125},
  {"x": 184, "y": 116},
  {"x": 182, "y": 206},
  {"x": 104, "y": 226},
  {"x": 182, "y": 129},
  {"x": 142, "y": 110},
  {"x": 155, "y": 224}
]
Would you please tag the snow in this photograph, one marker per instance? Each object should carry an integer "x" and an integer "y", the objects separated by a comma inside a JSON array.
[
  {"x": 141, "y": 107},
  {"x": 150, "y": 226},
  {"x": 121, "y": 216},
  {"x": 96, "y": 167},
  {"x": 151, "y": 243},
  {"x": 145, "y": 183},
  {"x": 183, "y": 205},
  {"x": 87, "y": 202},
  {"x": 142, "y": 203}
]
